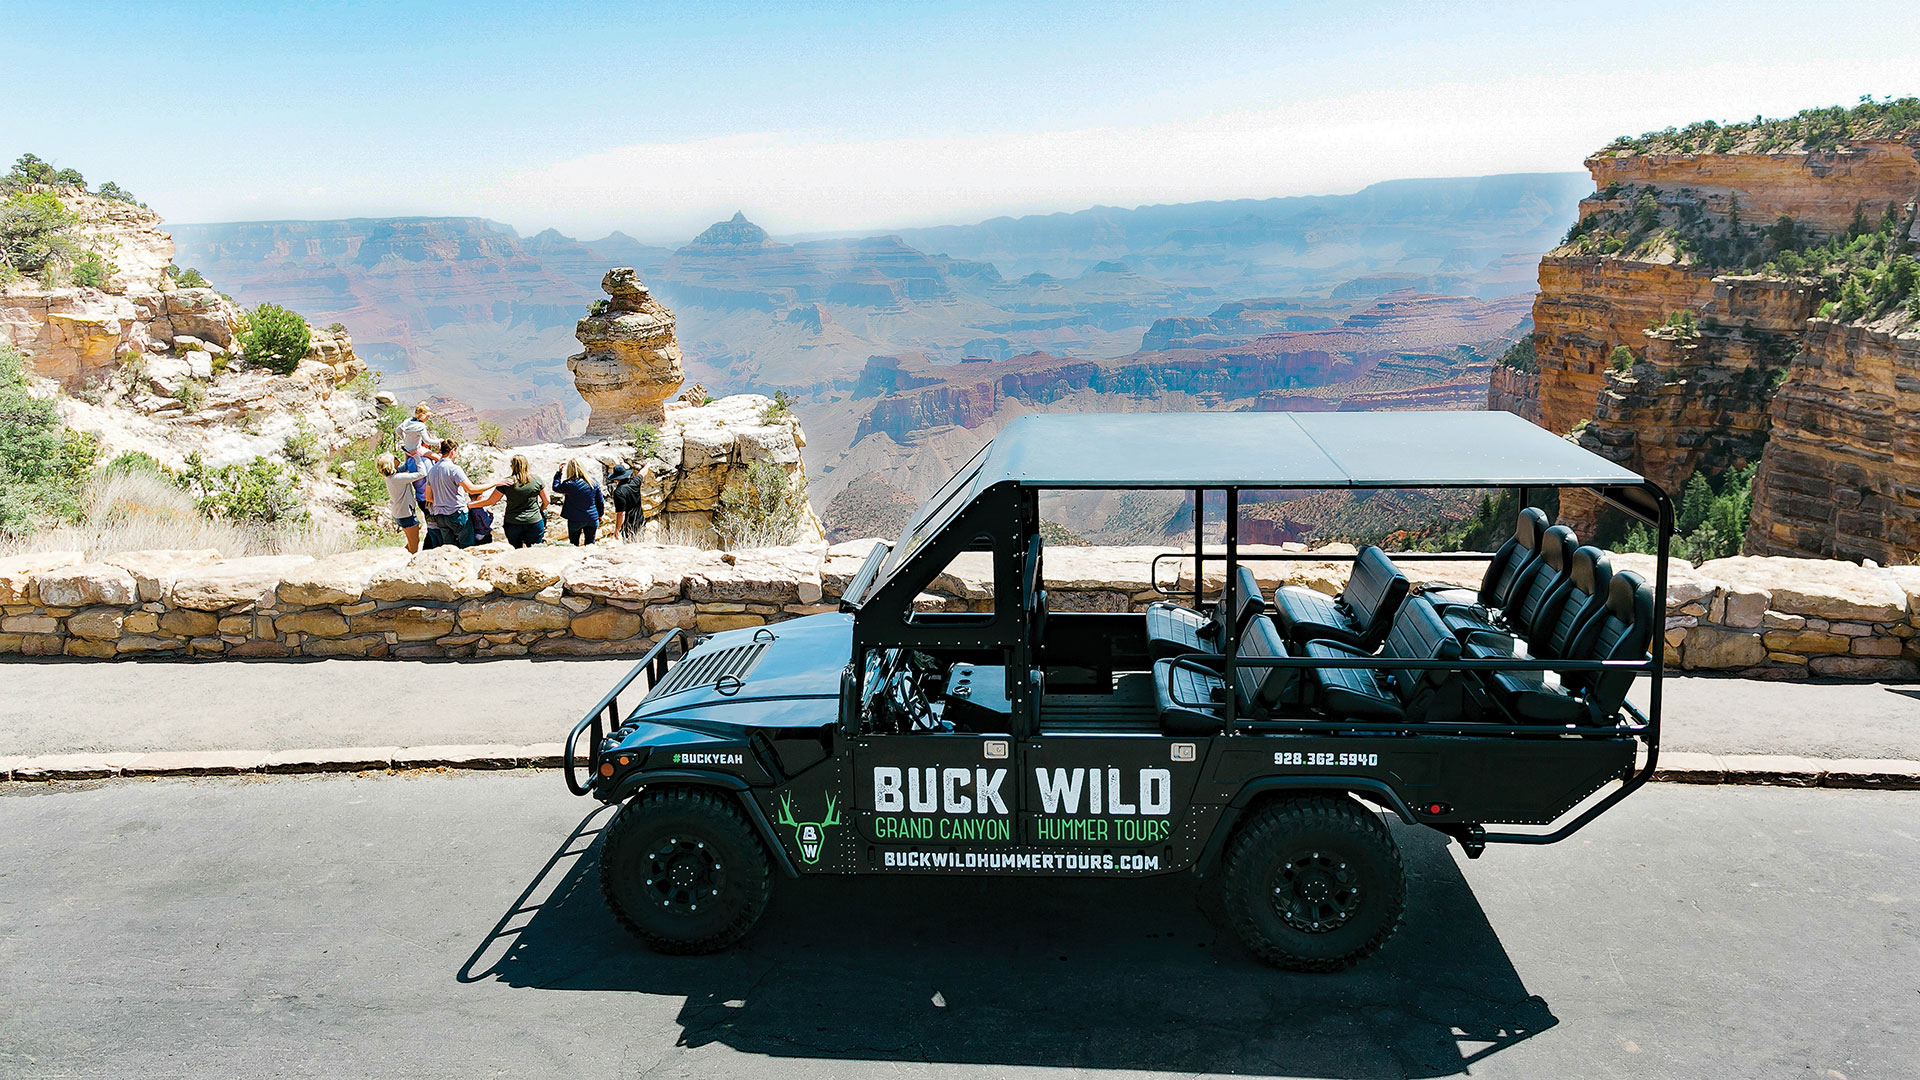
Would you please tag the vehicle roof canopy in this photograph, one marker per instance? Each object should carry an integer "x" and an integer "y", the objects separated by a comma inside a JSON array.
[
  {"x": 1273, "y": 450},
  {"x": 1290, "y": 450}
]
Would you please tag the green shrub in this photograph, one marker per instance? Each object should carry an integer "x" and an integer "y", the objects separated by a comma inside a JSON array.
[
  {"x": 29, "y": 170},
  {"x": 336, "y": 328},
  {"x": 1520, "y": 356},
  {"x": 37, "y": 233},
  {"x": 779, "y": 409},
  {"x": 260, "y": 492},
  {"x": 275, "y": 339},
  {"x": 192, "y": 395},
  {"x": 93, "y": 270},
  {"x": 763, "y": 508},
  {"x": 367, "y": 497},
  {"x": 363, "y": 385},
  {"x": 491, "y": 434},
  {"x": 645, "y": 439},
  {"x": 1621, "y": 359},
  {"x": 111, "y": 190},
  {"x": 136, "y": 462},
  {"x": 302, "y": 447},
  {"x": 189, "y": 278},
  {"x": 133, "y": 370},
  {"x": 44, "y": 466}
]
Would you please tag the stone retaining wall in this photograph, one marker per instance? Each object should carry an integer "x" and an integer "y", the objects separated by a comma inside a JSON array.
[{"x": 1762, "y": 617}]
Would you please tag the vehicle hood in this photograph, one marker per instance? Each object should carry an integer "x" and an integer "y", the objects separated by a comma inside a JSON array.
[{"x": 782, "y": 685}]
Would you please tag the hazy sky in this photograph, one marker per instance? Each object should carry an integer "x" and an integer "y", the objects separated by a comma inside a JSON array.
[{"x": 657, "y": 119}]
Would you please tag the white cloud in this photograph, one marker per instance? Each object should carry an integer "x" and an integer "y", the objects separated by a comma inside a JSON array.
[{"x": 791, "y": 183}]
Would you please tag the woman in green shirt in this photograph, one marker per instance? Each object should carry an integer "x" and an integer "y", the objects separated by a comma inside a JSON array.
[{"x": 526, "y": 514}]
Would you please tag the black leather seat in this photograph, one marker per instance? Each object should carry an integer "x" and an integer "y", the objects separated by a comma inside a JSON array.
[
  {"x": 1173, "y": 629},
  {"x": 1567, "y": 610},
  {"x": 1620, "y": 628},
  {"x": 1506, "y": 571},
  {"x": 1359, "y": 616},
  {"x": 1417, "y": 633},
  {"x": 1538, "y": 591},
  {"x": 1191, "y": 694}
]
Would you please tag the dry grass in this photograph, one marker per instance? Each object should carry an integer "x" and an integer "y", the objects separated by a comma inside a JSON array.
[{"x": 132, "y": 511}]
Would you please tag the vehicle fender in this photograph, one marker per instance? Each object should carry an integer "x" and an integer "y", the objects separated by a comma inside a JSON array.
[
  {"x": 1377, "y": 791},
  {"x": 736, "y": 789}
]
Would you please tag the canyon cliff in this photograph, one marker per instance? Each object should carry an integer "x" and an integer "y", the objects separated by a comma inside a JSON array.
[{"x": 1699, "y": 319}]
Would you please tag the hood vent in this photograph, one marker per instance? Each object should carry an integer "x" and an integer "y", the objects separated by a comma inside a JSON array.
[{"x": 728, "y": 666}]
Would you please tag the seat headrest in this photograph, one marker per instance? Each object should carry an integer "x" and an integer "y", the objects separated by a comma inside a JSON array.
[
  {"x": 1630, "y": 598},
  {"x": 1591, "y": 570},
  {"x": 1526, "y": 531},
  {"x": 1248, "y": 587},
  {"x": 1263, "y": 688},
  {"x": 1425, "y": 627},
  {"x": 1372, "y": 556},
  {"x": 1556, "y": 546}
]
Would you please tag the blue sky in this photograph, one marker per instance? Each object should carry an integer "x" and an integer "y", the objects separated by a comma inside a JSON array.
[{"x": 657, "y": 118}]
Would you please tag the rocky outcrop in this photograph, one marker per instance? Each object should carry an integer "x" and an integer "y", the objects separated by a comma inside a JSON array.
[
  {"x": 701, "y": 452},
  {"x": 631, "y": 365},
  {"x": 80, "y": 334},
  {"x": 1840, "y": 477},
  {"x": 1699, "y": 391},
  {"x": 1818, "y": 188},
  {"x": 1514, "y": 391},
  {"x": 1759, "y": 617}
]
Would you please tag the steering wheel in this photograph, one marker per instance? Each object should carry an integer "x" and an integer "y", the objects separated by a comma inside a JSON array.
[{"x": 908, "y": 703}]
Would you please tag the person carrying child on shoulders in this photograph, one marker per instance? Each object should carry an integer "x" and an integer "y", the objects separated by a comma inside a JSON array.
[{"x": 413, "y": 444}]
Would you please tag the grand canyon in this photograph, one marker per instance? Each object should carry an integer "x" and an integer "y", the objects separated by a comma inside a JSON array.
[{"x": 904, "y": 352}]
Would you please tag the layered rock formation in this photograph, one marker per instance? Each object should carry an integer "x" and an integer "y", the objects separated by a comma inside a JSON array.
[
  {"x": 631, "y": 365},
  {"x": 909, "y": 416},
  {"x": 1840, "y": 477},
  {"x": 1713, "y": 382}
]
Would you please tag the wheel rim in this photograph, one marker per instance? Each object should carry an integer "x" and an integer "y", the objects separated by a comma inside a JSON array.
[
  {"x": 683, "y": 874},
  {"x": 1317, "y": 892}
]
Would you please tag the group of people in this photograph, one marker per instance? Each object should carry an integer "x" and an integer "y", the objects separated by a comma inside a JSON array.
[{"x": 424, "y": 480}]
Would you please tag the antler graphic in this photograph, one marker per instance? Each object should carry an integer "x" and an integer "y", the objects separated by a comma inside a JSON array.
[
  {"x": 786, "y": 812},
  {"x": 833, "y": 816}
]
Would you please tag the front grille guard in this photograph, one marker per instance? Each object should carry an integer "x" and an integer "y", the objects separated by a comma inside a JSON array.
[{"x": 606, "y": 715}]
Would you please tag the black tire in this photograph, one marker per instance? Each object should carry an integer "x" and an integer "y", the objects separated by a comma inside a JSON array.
[
  {"x": 684, "y": 871},
  {"x": 1314, "y": 883}
]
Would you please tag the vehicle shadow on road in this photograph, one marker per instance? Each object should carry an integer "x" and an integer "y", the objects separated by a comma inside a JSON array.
[{"x": 1031, "y": 972}]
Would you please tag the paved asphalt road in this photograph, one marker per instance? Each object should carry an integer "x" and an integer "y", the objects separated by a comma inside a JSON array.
[
  {"x": 424, "y": 925},
  {"x": 228, "y": 705}
]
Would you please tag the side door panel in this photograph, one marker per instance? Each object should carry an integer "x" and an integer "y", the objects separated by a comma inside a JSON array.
[
  {"x": 934, "y": 792},
  {"x": 1126, "y": 794}
]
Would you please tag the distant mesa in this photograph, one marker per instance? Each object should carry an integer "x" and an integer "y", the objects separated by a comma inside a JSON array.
[
  {"x": 810, "y": 317},
  {"x": 631, "y": 365},
  {"x": 736, "y": 231}
]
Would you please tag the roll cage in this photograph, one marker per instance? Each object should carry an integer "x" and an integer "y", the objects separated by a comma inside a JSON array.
[{"x": 992, "y": 504}]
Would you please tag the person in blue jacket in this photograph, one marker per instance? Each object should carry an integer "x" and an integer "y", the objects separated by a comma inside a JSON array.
[{"x": 582, "y": 503}]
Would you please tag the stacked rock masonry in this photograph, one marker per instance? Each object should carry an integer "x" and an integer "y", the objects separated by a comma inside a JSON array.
[{"x": 1762, "y": 617}]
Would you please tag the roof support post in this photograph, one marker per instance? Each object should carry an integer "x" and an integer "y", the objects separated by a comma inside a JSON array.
[
  {"x": 1230, "y": 639},
  {"x": 1199, "y": 546}
]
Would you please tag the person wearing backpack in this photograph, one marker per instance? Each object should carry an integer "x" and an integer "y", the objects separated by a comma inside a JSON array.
[{"x": 629, "y": 496}]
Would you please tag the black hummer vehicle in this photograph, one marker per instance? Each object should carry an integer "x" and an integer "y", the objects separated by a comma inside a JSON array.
[{"x": 1246, "y": 738}]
